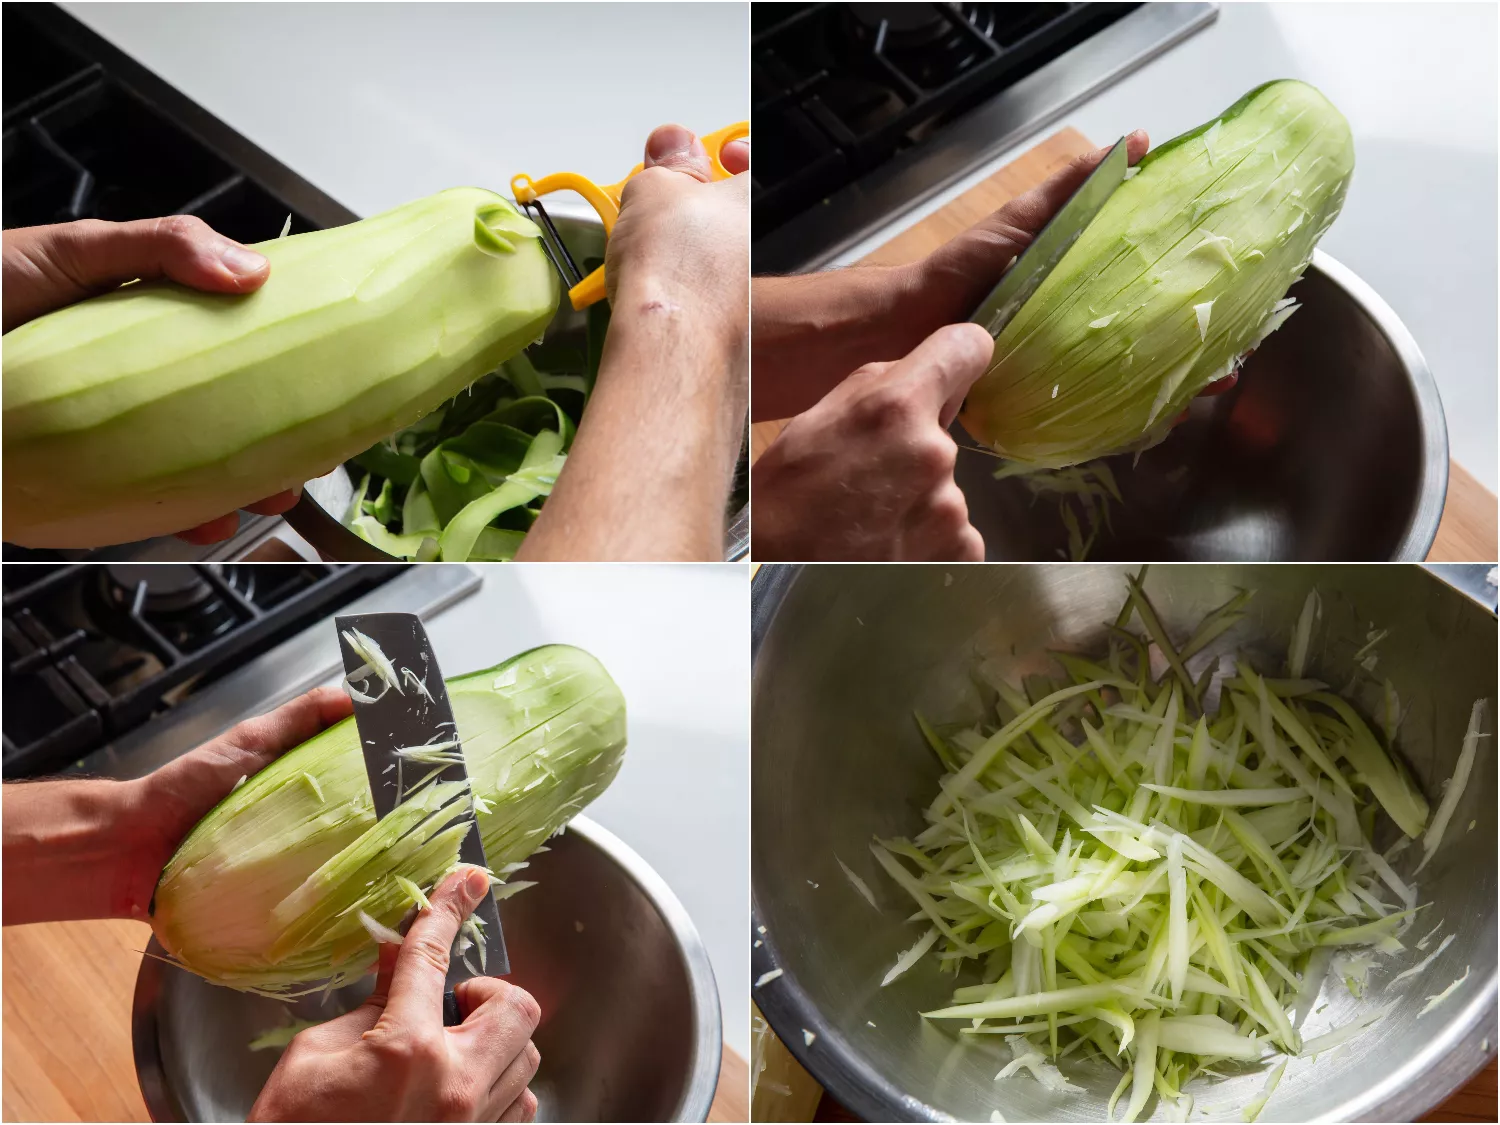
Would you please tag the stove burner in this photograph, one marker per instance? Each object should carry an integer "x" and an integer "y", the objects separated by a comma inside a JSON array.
[
  {"x": 163, "y": 588},
  {"x": 911, "y": 23},
  {"x": 934, "y": 31},
  {"x": 928, "y": 45},
  {"x": 165, "y": 608}
]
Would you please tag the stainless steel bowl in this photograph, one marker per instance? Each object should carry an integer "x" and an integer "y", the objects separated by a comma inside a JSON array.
[
  {"x": 842, "y": 655},
  {"x": 630, "y": 1013},
  {"x": 326, "y": 499},
  {"x": 1332, "y": 447}
]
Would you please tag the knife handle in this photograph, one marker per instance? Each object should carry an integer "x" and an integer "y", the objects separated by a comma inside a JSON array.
[{"x": 452, "y": 1017}]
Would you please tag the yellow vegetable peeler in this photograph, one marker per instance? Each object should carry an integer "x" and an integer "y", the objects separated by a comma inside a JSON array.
[{"x": 585, "y": 291}]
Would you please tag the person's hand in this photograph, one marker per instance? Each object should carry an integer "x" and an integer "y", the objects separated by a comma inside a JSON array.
[
  {"x": 666, "y": 417},
  {"x": 168, "y": 802},
  {"x": 47, "y": 268},
  {"x": 812, "y": 330},
  {"x": 681, "y": 243},
  {"x": 949, "y": 283},
  {"x": 94, "y": 848},
  {"x": 391, "y": 1059},
  {"x": 867, "y": 473}
]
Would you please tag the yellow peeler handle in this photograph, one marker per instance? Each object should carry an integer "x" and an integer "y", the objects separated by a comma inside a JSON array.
[{"x": 606, "y": 200}]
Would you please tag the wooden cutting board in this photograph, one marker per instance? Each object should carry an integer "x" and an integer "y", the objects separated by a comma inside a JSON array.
[
  {"x": 1468, "y": 530},
  {"x": 67, "y": 1056}
]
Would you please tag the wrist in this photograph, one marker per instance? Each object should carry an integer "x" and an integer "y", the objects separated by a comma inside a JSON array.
[
  {"x": 947, "y": 285},
  {"x": 656, "y": 309},
  {"x": 118, "y": 857},
  {"x": 144, "y": 847},
  {"x": 929, "y": 298},
  {"x": 77, "y": 849},
  {"x": 895, "y": 308},
  {"x": 965, "y": 270}
]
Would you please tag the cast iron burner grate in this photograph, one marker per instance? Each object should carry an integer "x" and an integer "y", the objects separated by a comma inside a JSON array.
[
  {"x": 82, "y": 141},
  {"x": 95, "y": 650},
  {"x": 838, "y": 89}
]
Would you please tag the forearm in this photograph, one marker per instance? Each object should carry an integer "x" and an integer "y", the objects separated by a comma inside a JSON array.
[
  {"x": 72, "y": 849},
  {"x": 812, "y": 331},
  {"x": 649, "y": 472}
]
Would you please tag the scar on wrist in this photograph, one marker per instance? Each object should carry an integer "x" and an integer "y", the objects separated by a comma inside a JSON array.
[{"x": 659, "y": 306}]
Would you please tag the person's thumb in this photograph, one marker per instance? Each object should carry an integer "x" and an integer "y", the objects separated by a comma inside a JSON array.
[
  {"x": 735, "y": 156},
  {"x": 942, "y": 368},
  {"x": 416, "y": 989},
  {"x": 100, "y": 256},
  {"x": 678, "y": 148}
]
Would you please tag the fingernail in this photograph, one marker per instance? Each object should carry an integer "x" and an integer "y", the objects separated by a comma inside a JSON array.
[
  {"x": 476, "y": 884},
  {"x": 240, "y": 261},
  {"x": 669, "y": 142}
]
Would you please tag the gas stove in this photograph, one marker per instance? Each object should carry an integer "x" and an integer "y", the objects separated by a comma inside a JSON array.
[
  {"x": 863, "y": 111},
  {"x": 89, "y": 133},
  {"x": 103, "y": 660}
]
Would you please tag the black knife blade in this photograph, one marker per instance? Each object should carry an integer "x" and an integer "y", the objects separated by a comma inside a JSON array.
[{"x": 401, "y": 702}]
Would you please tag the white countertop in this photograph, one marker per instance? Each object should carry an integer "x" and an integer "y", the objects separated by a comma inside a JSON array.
[
  {"x": 378, "y": 104},
  {"x": 1417, "y": 82},
  {"x": 676, "y": 638}
]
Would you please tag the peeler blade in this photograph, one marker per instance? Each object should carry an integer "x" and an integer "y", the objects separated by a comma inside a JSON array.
[{"x": 553, "y": 245}]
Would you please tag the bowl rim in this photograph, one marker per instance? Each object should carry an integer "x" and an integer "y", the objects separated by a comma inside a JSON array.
[
  {"x": 697, "y": 1096},
  {"x": 1426, "y": 512},
  {"x": 1448, "y": 1059},
  {"x": 1432, "y": 423}
]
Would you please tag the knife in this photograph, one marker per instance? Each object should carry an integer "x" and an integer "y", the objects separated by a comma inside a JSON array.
[
  {"x": 1039, "y": 259},
  {"x": 414, "y": 711}
]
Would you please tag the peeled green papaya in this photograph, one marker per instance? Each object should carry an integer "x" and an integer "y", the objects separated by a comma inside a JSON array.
[
  {"x": 265, "y": 893},
  {"x": 1184, "y": 270},
  {"x": 154, "y": 408}
]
